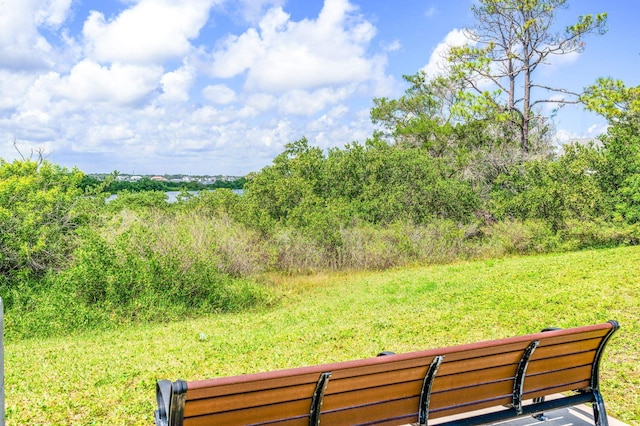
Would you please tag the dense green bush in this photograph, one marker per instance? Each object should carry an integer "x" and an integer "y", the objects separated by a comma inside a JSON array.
[
  {"x": 628, "y": 205},
  {"x": 377, "y": 183},
  {"x": 521, "y": 237},
  {"x": 580, "y": 235},
  {"x": 37, "y": 216},
  {"x": 619, "y": 169},
  {"x": 158, "y": 266},
  {"x": 554, "y": 191}
]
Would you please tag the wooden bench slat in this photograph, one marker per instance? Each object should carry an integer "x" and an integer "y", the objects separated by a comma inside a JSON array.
[
  {"x": 559, "y": 377},
  {"x": 557, "y": 337},
  {"x": 444, "y": 410},
  {"x": 245, "y": 386},
  {"x": 556, "y": 388},
  {"x": 196, "y": 407},
  {"x": 340, "y": 385},
  {"x": 468, "y": 394},
  {"x": 209, "y": 421},
  {"x": 372, "y": 395},
  {"x": 560, "y": 362},
  {"x": 457, "y": 365},
  {"x": 254, "y": 415},
  {"x": 403, "y": 410},
  {"x": 469, "y": 378},
  {"x": 578, "y": 346}
]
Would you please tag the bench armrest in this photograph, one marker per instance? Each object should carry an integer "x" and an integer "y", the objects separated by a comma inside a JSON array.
[{"x": 170, "y": 397}]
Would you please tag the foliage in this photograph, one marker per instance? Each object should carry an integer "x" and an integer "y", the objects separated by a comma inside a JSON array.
[
  {"x": 619, "y": 167},
  {"x": 518, "y": 236},
  {"x": 423, "y": 117},
  {"x": 146, "y": 184},
  {"x": 38, "y": 216},
  {"x": 141, "y": 268},
  {"x": 553, "y": 191},
  {"x": 579, "y": 235},
  {"x": 376, "y": 183},
  {"x": 139, "y": 201},
  {"x": 614, "y": 100},
  {"x": 510, "y": 40}
]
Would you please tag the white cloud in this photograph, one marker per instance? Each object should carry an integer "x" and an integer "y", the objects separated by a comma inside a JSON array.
[
  {"x": 13, "y": 87},
  {"x": 53, "y": 13},
  {"x": 394, "y": 46},
  {"x": 596, "y": 130},
  {"x": 437, "y": 64},
  {"x": 176, "y": 84},
  {"x": 98, "y": 135},
  {"x": 22, "y": 47},
  {"x": 554, "y": 63},
  {"x": 261, "y": 101},
  {"x": 151, "y": 31},
  {"x": 311, "y": 102},
  {"x": 331, "y": 128},
  {"x": 219, "y": 94},
  {"x": 285, "y": 55},
  {"x": 253, "y": 10},
  {"x": 119, "y": 84},
  {"x": 564, "y": 136}
]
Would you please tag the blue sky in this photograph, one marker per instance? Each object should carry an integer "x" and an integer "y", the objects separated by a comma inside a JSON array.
[{"x": 219, "y": 86}]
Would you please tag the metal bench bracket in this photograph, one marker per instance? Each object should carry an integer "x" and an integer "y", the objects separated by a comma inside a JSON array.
[
  {"x": 316, "y": 401},
  {"x": 518, "y": 381},
  {"x": 425, "y": 395}
]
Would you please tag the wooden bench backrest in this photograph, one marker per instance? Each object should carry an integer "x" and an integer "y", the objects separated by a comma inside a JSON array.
[{"x": 464, "y": 378}]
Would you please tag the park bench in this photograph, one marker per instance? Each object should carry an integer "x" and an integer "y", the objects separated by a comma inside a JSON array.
[{"x": 514, "y": 374}]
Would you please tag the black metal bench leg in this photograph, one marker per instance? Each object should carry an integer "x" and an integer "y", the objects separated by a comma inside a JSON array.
[{"x": 599, "y": 412}]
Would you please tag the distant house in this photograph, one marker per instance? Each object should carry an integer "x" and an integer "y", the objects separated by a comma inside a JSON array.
[{"x": 159, "y": 178}]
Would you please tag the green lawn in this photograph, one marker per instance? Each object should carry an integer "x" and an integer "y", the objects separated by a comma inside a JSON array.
[{"x": 109, "y": 377}]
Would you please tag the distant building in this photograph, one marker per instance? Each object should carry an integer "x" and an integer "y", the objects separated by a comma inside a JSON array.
[{"x": 159, "y": 178}]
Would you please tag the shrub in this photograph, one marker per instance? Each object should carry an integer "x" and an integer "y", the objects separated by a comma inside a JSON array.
[
  {"x": 296, "y": 253},
  {"x": 219, "y": 202},
  {"x": 629, "y": 195},
  {"x": 520, "y": 237},
  {"x": 553, "y": 191},
  {"x": 184, "y": 257},
  {"x": 139, "y": 201},
  {"x": 375, "y": 247},
  {"x": 156, "y": 266},
  {"x": 593, "y": 234},
  {"x": 37, "y": 216}
]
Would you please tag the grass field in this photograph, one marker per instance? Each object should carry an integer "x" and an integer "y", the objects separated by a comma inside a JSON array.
[{"x": 109, "y": 377}]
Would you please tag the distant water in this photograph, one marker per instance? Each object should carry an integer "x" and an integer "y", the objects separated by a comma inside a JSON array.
[{"x": 173, "y": 195}]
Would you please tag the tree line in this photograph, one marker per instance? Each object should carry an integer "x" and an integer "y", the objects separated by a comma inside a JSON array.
[{"x": 115, "y": 186}]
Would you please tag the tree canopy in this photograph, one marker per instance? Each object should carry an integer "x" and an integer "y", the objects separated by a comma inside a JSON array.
[{"x": 510, "y": 40}]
